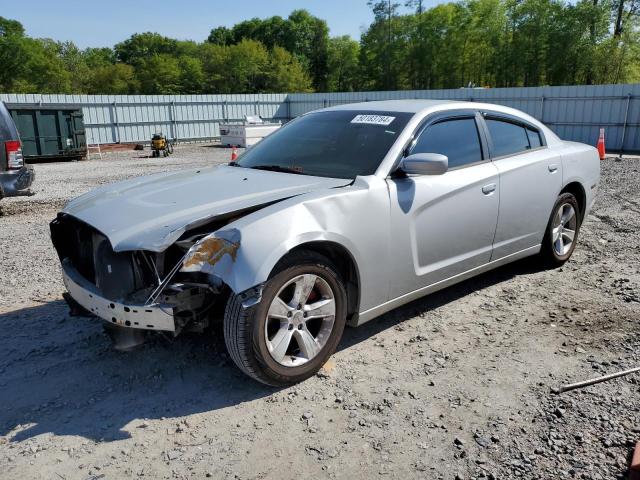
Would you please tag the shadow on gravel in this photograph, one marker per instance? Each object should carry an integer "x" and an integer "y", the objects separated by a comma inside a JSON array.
[
  {"x": 353, "y": 336},
  {"x": 59, "y": 374}
]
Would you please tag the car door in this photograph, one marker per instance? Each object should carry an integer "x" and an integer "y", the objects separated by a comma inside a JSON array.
[
  {"x": 530, "y": 179},
  {"x": 443, "y": 225}
]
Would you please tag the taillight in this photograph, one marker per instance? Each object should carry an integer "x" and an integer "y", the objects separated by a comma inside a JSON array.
[{"x": 14, "y": 154}]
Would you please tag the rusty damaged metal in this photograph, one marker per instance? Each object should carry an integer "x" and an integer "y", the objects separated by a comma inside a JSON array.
[{"x": 210, "y": 251}]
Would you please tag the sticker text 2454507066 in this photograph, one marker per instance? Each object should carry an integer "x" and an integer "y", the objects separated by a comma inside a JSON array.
[{"x": 373, "y": 119}]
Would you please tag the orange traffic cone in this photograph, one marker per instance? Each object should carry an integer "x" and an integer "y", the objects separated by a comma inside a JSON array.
[
  {"x": 601, "y": 150},
  {"x": 234, "y": 153}
]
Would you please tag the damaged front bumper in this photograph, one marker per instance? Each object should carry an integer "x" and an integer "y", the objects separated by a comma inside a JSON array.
[{"x": 143, "y": 317}]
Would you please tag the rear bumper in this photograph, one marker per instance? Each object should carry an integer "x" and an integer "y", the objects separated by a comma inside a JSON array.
[
  {"x": 15, "y": 181},
  {"x": 142, "y": 317}
]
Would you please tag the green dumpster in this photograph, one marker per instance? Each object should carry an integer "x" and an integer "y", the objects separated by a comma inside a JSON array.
[{"x": 49, "y": 132}]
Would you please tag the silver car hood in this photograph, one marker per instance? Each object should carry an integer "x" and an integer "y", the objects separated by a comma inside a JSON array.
[{"x": 152, "y": 212}]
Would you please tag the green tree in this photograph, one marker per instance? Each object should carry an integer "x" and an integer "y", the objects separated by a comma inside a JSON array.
[
  {"x": 436, "y": 48},
  {"x": 308, "y": 37},
  {"x": 500, "y": 43},
  {"x": 284, "y": 73},
  {"x": 239, "y": 68},
  {"x": 13, "y": 52},
  {"x": 140, "y": 46},
  {"x": 220, "y": 36},
  {"x": 115, "y": 79},
  {"x": 185, "y": 48},
  {"x": 482, "y": 24},
  {"x": 10, "y": 27},
  {"x": 384, "y": 49},
  {"x": 43, "y": 71},
  {"x": 98, "y": 57},
  {"x": 495, "y": 43},
  {"x": 343, "y": 65},
  {"x": 159, "y": 75},
  {"x": 75, "y": 64},
  {"x": 246, "y": 66},
  {"x": 215, "y": 61},
  {"x": 191, "y": 75},
  {"x": 302, "y": 34},
  {"x": 270, "y": 31}
]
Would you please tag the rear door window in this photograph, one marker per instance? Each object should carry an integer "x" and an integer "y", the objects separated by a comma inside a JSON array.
[
  {"x": 507, "y": 138},
  {"x": 458, "y": 139}
]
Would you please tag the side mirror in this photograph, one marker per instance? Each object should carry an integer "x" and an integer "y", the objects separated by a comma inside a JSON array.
[{"x": 425, "y": 164}]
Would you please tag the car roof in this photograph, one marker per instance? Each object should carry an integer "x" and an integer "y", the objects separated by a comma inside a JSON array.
[
  {"x": 408, "y": 106},
  {"x": 417, "y": 106}
]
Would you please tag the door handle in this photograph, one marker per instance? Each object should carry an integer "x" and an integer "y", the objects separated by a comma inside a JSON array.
[
  {"x": 553, "y": 168},
  {"x": 489, "y": 189}
]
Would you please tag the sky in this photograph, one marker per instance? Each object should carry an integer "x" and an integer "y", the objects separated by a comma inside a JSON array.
[{"x": 100, "y": 24}]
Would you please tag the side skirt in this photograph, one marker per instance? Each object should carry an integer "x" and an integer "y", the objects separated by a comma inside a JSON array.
[{"x": 372, "y": 313}]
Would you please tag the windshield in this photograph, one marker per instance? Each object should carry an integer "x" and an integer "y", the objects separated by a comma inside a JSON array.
[{"x": 337, "y": 144}]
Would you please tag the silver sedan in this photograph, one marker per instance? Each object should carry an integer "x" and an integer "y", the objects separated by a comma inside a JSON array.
[{"x": 338, "y": 217}]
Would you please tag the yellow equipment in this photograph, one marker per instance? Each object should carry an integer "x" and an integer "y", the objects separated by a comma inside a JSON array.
[{"x": 160, "y": 145}]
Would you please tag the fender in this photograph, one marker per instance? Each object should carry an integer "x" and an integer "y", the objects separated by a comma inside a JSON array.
[
  {"x": 243, "y": 253},
  {"x": 581, "y": 164}
]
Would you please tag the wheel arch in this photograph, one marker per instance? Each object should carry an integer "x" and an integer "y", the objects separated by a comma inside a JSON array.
[
  {"x": 343, "y": 260},
  {"x": 577, "y": 190}
]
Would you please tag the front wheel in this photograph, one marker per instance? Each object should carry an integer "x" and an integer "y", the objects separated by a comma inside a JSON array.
[
  {"x": 296, "y": 327},
  {"x": 562, "y": 231}
]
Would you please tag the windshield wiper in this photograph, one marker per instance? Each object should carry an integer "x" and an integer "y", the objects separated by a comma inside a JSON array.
[{"x": 278, "y": 168}]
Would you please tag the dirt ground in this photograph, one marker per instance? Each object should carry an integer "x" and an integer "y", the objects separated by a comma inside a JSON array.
[{"x": 453, "y": 386}]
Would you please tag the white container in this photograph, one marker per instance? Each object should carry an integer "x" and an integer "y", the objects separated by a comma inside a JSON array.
[{"x": 246, "y": 134}]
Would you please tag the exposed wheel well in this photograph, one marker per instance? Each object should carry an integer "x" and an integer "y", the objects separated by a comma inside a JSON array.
[
  {"x": 576, "y": 189},
  {"x": 346, "y": 266}
]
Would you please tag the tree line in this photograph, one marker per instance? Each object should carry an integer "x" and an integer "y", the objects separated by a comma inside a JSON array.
[{"x": 493, "y": 43}]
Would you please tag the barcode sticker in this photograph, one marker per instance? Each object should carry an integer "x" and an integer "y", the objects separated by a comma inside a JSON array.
[{"x": 373, "y": 119}]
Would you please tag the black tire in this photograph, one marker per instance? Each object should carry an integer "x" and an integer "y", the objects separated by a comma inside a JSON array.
[
  {"x": 548, "y": 253},
  {"x": 244, "y": 328}
]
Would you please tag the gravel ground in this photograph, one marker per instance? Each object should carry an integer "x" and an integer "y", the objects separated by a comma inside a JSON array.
[{"x": 455, "y": 385}]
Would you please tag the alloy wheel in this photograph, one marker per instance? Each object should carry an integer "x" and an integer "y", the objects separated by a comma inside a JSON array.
[
  {"x": 565, "y": 222},
  {"x": 300, "y": 320}
]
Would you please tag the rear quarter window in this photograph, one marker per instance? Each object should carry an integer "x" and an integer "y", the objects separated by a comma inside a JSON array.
[
  {"x": 534, "y": 138},
  {"x": 507, "y": 138}
]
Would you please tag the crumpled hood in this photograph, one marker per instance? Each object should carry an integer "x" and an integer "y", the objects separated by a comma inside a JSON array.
[{"x": 152, "y": 212}]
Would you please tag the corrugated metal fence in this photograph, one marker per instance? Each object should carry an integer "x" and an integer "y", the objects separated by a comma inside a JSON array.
[
  {"x": 574, "y": 112},
  {"x": 135, "y": 118}
]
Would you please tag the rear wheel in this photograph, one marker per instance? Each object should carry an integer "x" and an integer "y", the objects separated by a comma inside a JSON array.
[
  {"x": 562, "y": 231},
  {"x": 296, "y": 327}
]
